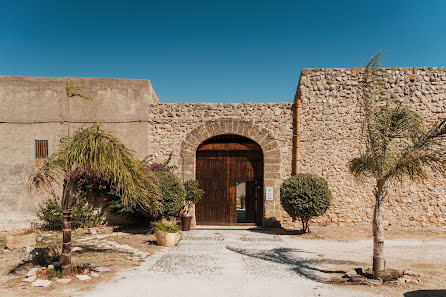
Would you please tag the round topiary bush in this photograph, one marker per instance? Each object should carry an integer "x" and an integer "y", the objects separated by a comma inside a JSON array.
[
  {"x": 172, "y": 192},
  {"x": 304, "y": 196}
]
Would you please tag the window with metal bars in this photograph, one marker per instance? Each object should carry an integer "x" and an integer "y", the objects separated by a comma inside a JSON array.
[{"x": 41, "y": 148}]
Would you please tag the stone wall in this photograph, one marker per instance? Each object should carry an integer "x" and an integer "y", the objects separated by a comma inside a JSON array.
[
  {"x": 180, "y": 127},
  {"x": 329, "y": 136},
  {"x": 330, "y": 127}
]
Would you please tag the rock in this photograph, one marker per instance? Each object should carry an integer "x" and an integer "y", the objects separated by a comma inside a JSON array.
[
  {"x": 20, "y": 241},
  {"x": 351, "y": 273},
  {"x": 76, "y": 249},
  {"x": 41, "y": 283},
  {"x": 102, "y": 269},
  {"x": 404, "y": 279},
  {"x": 94, "y": 274},
  {"x": 32, "y": 271},
  {"x": 410, "y": 272},
  {"x": 92, "y": 230},
  {"x": 83, "y": 277},
  {"x": 44, "y": 256},
  {"x": 50, "y": 267},
  {"x": 29, "y": 279},
  {"x": 27, "y": 256},
  {"x": 64, "y": 280}
]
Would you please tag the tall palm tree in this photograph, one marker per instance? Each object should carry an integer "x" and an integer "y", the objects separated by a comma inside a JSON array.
[
  {"x": 96, "y": 150},
  {"x": 397, "y": 146}
]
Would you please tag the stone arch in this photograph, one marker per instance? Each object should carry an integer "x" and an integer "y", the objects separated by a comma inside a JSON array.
[{"x": 270, "y": 149}]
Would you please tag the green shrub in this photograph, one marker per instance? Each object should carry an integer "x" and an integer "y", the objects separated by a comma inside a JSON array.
[
  {"x": 50, "y": 213},
  {"x": 305, "y": 196},
  {"x": 166, "y": 226},
  {"x": 84, "y": 214},
  {"x": 173, "y": 193},
  {"x": 193, "y": 195}
]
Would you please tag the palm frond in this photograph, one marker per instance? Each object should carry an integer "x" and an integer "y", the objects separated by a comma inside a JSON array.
[
  {"x": 98, "y": 150},
  {"x": 427, "y": 152},
  {"x": 364, "y": 165},
  {"x": 73, "y": 90}
]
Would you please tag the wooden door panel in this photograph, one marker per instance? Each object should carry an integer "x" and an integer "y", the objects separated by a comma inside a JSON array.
[
  {"x": 214, "y": 207},
  {"x": 218, "y": 172}
]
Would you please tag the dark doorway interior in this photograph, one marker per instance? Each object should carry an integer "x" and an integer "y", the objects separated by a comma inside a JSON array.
[{"x": 228, "y": 168}]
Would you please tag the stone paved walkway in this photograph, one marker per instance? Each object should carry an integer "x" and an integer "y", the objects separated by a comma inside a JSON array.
[{"x": 227, "y": 263}]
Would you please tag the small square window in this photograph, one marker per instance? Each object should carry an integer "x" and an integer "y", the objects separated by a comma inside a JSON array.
[{"x": 41, "y": 146}]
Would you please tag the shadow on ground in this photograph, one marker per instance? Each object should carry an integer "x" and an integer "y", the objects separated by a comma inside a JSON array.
[
  {"x": 426, "y": 293},
  {"x": 304, "y": 267},
  {"x": 133, "y": 229},
  {"x": 276, "y": 231}
]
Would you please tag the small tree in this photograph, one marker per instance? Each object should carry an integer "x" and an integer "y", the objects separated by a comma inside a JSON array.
[
  {"x": 98, "y": 151},
  {"x": 193, "y": 195},
  {"x": 304, "y": 196},
  {"x": 395, "y": 146},
  {"x": 173, "y": 193}
]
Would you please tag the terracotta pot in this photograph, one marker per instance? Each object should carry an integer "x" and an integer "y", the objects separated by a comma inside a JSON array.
[
  {"x": 243, "y": 204},
  {"x": 185, "y": 223},
  {"x": 166, "y": 239}
]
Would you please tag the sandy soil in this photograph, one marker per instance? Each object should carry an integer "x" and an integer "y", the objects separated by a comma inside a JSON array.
[
  {"x": 420, "y": 250},
  {"x": 117, "y": 261},
  {"x": 330, "y": 249}
]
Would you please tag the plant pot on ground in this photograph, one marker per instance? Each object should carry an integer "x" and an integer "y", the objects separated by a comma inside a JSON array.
[
  {"x": 186, "y": 222},
  {"x": 166, "y": 232},
  {"x": 242, "y": 201},
  {"x": 193, "y": 195}
]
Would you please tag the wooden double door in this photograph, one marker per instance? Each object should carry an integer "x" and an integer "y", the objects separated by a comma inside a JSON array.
[{"x": 220, "y": 168}]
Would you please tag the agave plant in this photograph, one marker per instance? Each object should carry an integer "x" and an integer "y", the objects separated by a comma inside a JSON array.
[
  {"x": 96, "y": 150},
  {"x": 397, "y": 146}
]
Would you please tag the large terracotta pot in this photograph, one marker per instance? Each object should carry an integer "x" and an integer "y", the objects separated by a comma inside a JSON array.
[{"x": 166, "y": 239}]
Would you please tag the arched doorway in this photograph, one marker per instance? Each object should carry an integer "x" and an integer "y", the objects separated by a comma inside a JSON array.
[{"x": 229, "y": 167}]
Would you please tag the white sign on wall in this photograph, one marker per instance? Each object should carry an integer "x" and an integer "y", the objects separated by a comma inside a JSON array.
[{"x": 269, "y": 193}]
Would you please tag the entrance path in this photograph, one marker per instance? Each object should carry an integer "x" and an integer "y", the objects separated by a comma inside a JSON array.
[{"x": 228, "y": 263}]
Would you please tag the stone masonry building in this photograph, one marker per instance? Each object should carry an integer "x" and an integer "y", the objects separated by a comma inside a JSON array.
[{"x": 317, "y": 132}]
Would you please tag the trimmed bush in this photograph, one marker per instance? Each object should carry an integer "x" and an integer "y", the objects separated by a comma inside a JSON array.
[
  {"x": 193, "y": 195},
  {"x": 166, "y": 226},
  {"x": 173, "y": 193},
  {"x": 85, "y": 215},
  {"x": 305, "y": 196}
]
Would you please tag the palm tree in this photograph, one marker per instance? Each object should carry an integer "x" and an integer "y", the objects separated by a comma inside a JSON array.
[
  {"x": 96, "y": 150},
  {"x": 397, "y": 146}
]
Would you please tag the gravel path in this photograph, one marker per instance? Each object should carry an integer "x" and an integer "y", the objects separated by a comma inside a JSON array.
[{"x": 228, "y": 263}]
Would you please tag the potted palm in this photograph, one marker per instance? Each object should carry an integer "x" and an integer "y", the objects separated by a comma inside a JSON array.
[
  {"x": 193, "y": 195},
  {"x": 166, "y": 232}
]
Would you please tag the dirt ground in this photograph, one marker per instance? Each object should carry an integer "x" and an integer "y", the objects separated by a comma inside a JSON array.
[
  {"x": 115, "y": 260},
  {"x": 420, "y": 250},
  {"x": 334, "y": 248}
]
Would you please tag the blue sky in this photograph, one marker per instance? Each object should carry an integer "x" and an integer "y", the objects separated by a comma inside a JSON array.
[{"x": 216, "y": 51}]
